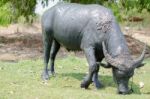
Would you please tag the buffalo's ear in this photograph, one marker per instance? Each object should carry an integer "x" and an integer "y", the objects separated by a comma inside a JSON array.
[
  {"x": 105, "y": 65},
  {"x": 141, "y": 65}
]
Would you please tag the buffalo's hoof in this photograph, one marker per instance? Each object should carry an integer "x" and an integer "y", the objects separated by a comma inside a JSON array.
[
  {"x": 85, "y": 84},
  {"x": 51, "y": 73},
  {"x": 45, "y": 76},
  {"x": 97, "y": 84}
]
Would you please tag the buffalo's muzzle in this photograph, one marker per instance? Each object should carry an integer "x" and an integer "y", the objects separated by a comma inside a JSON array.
[{"x": 125, "y": 92}]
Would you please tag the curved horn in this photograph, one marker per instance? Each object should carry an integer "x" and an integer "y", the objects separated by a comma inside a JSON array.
[
  {"x": 138, "y": 61},
  {"x": 108, "y": 58}
]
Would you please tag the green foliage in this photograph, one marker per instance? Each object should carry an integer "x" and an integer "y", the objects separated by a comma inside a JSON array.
[
  {"x": 115, "y": 8},
  {"x": 6, "y": 14},
  {"x": 11, "y": 10},
  {"x": 87, "y": 1},
  {"x": 15, "y": 10},
  {"x": 127, "y": 4},
  {"x": 22, "y": 19},
  {"x": 24, "y": 7},
  {"x": 122, "y": 9},
  {"x": 138, "y": 4},
  {"x": 134, "y": 8}
]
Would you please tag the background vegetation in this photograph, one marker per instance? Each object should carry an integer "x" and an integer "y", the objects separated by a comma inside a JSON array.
[{"x": 12, "y": 11}]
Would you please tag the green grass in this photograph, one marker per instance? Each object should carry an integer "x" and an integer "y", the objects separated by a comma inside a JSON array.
[{"x": 22, "y": 80}]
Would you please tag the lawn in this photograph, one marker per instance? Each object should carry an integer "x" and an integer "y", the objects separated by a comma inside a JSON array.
[{"x": 22, "y": 80}]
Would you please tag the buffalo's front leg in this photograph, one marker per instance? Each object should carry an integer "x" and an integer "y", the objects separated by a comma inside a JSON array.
[
  {"x": 93, "y": 66},
  {"x": 95, "y": 80}
]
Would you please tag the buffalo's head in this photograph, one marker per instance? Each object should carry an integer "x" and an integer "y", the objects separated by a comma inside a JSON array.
[{"x": 123, "y": 68}]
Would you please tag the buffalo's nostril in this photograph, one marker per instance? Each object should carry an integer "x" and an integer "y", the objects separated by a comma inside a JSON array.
[
  {"x": 123, "y": 93},
  {"x": 119, "y": 92}
]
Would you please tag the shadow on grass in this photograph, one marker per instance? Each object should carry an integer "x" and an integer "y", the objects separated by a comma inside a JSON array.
[{"x": 106, "y": 80}]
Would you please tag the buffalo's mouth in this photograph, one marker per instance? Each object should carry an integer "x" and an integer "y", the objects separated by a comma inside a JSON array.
[
  {"x": 122, "y": 81},
  {"x": 123, "y": 89},
  {"x": 125, "y": 92}
]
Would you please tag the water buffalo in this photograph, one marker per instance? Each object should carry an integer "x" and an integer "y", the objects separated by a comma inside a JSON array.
[{"x": 94, "y": 30}]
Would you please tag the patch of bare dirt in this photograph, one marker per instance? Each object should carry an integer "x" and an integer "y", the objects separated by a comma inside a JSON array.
[
  {"x": 137, "y": 37},
  {"x": 136, "y": 46},
  {"x": 25, "y": 42}
]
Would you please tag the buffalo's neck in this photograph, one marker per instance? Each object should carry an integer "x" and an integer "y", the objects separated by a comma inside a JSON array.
[{"x": 116, "y": 43}]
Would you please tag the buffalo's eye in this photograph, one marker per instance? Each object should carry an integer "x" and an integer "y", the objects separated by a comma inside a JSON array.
[
  {"x": 125, "y": 74},
  {"x": 120, "y": 73},
  {"x": 130, "y": 74}
]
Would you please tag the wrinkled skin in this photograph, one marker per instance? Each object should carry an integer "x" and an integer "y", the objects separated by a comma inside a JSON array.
[{"x": 87, "y": 28}]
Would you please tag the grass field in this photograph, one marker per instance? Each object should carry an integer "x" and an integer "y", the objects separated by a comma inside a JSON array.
[{"x": 22, "y": 80}]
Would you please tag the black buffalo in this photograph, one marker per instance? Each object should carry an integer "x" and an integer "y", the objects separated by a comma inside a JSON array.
[{"x": 94, "y": 30}]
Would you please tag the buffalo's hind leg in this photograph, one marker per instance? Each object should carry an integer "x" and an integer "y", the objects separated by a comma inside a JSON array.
[
  {"x": 55, "y": 48},
  {"x": 47, "y": 41}
]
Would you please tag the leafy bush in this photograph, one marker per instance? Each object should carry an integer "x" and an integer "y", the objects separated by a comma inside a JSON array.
[
  {"x": 6, "y": 14},
  {"x": 139, "y": 4},
  {"x": 14, "y": 10},
  {"x": 24, "y": 7},
  {"x": 123, "y": 9}
]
